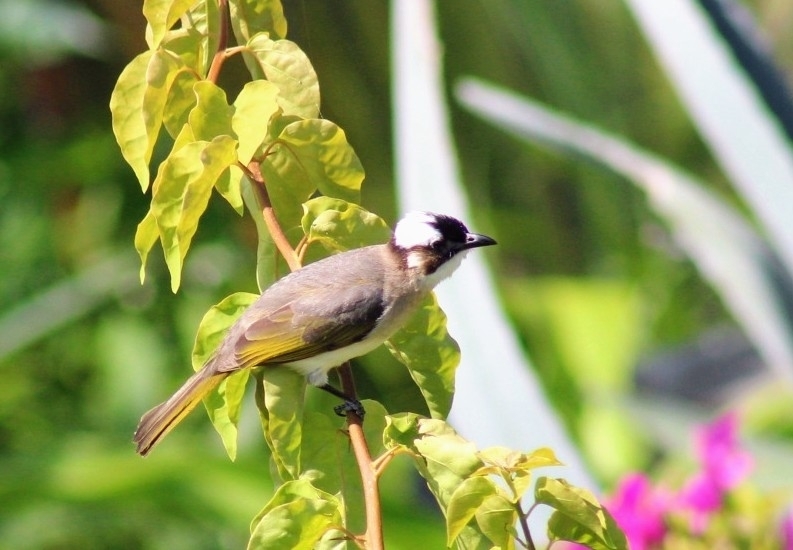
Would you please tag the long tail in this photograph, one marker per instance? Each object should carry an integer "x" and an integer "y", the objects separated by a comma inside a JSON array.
[{"x": 156, "y": 423}]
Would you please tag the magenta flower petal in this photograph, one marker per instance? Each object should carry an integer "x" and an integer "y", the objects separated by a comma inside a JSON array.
[
  {"x": 719, "y": 450},
  {"x": 639, "y": 509}
]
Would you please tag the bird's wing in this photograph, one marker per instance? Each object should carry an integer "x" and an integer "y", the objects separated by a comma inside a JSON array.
[{"x": 315, "y": 322}]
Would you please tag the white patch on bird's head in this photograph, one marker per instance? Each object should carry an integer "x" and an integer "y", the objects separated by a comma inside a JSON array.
[{"x": 416, "y": 229}]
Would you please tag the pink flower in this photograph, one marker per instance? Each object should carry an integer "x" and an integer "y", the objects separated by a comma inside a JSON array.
[
  {"x": 639, "y": 510},
  {"x": 787, "y": 530},
  {"x": 724, "y": 465}
]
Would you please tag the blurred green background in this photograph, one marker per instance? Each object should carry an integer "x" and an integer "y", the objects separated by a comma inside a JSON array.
[{"x": 593, "y": 283}]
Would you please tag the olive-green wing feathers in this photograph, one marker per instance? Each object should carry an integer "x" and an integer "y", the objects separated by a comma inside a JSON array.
[{"x": 314, "y": 322}]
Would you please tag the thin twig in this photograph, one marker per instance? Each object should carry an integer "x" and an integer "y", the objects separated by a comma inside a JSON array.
[
  {"x": 254, "y": 174},
  {"x": 223, "y": 42},
  {"x": 371, "y": 489},
  {"x": 524, "y": 525}
]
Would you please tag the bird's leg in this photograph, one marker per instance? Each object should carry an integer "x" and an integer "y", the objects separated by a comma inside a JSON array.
[{"x": 350, "y": 404}]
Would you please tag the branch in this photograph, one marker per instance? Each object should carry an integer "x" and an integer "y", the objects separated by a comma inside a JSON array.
[
  {"x": 223, "y": 41},
  {"x": 371, "y": 490},
  {"x": 254, "y": 174}
]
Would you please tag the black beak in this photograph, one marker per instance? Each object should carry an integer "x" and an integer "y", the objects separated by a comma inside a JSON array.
[{"x": 475, "y": 240}]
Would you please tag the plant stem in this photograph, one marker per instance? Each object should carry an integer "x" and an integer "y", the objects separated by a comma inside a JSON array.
[
  {"x": 524, "y": 525},
  {"x": 253, "y": 173},
  {"x": 371, "y": 490},
  {"x": 223, "y": 41}
]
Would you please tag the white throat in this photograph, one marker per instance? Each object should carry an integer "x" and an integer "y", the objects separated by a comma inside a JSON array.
[{"x": 444, "y": 271}]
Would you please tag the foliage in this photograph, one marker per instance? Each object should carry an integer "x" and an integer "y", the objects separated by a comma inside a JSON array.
[{"x": 268, "y": 151}]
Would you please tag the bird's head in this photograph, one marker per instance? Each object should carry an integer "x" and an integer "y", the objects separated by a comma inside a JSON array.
[{"x": 434, "y": 244}]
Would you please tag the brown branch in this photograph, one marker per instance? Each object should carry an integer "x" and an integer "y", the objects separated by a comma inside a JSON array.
[
  {"x": 254, "y": 174},
  {"x": 223, "y": 42},
  {"x": 369, "y": 477}
]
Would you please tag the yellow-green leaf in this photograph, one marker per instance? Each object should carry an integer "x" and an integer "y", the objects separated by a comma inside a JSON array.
[
  {"x": 296, "y": 518},
  {"x": 287, "y": 66},
  {"x": 224, "y": 403},
  {"x": 181, "y": 100},
  {"x": 310, "y": 155},
  {"x": 496, "y": 517},
  {"x": 129, "y": 124},
  {"x": 464, "y": 503},
  {"x": 578, "y": 516},
  {"x": 281, "y": 395},
  {"x": 182, "y": 190},
  {"x": 228, "y": 185},
  {"x": 161, "y": 16},
  {"x": 340, "y": 225},
  {"x": 431, "y": 355},
  {"x": 211, "y": 116},
  {"x": 251, "y": 16},
  {"x": 253, "y": 108},
  {"x": 145, "y": 237}
]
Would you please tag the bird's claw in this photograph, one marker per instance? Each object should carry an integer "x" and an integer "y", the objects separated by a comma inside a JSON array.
[{"x": 350, "y": 406}]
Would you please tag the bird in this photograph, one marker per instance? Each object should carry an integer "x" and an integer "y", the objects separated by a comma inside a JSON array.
[{"x": 326, "y": 313}]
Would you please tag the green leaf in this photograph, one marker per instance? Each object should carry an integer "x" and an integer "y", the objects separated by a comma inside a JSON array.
[
  {"x": 310, "y": 155},
  {"x": 296, "y": 517},
  {"x": 253, "y": 108},
  {"x": 280, "y": 398},
  {"x": 496, "y": 517},
  {"x": 129, "y": 124},
  {"x": 339, "y": 225},
  {"x": 431, "y": 355},
  {"x": 181, "y": 100},
  {"x": 224, "y": 403},
  {"x": 251, "y": 16},
  {"x": 211, "y": 116},
  {"x": 401, "y": 430},
  {"x": 228, "y": 185},
  {"x": 161, "y": 16},
  {"x": 181, "y": 193},
  {"x": 448, "y": 458},
  {"x": 464, "y": 503},
  {"x": 145, "y": 237},
  {"x": 578, "y": 516},
  {"x": 287, "y": 66}
]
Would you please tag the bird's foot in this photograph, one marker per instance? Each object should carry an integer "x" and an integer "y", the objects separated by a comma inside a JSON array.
[{"x": 350, "y": 406}]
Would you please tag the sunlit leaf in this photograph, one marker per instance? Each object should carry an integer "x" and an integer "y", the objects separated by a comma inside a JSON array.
[
  {"x": 431, "y": 355},
  {"x": 215, "y": 323},
  {"x": 496, "y": 517},
  {"x": 253, "y": 108},
  {"x": 464, "y": 503},
  {"x": 211, "y": 116},
  {"x": 296, "y": 518},
  {"x": 280, "y": 400},
  {"x": 578, "y": 516},
  {"x": 182, "y": 190},
  {"x": 284, "y": 64},
  {"x": 145, "y": 237},
  {"x": 251, "y": 16},
  {"x": 181, "y": 100},
  {"x": 129, "y": 124},
  {"x": 339, "y": 225},
  {"x": 161, "y": 16},
  {"x": 229, "y": 186}
]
